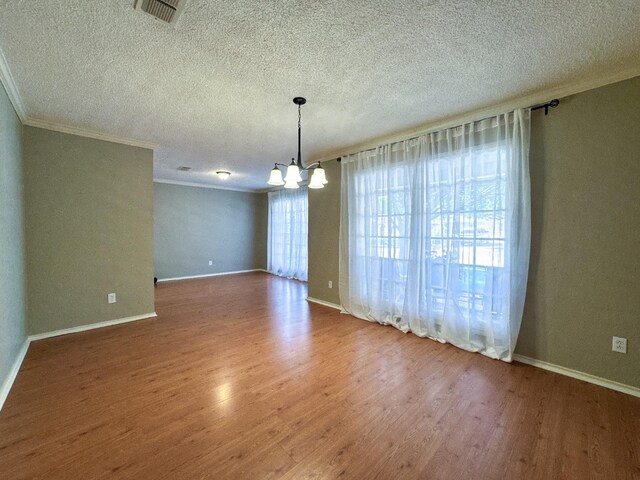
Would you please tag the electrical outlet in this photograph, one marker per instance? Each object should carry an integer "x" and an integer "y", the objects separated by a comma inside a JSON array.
[
  {"x": 210, "y": 262},
  {"x": 330, "y": 284},
  {"x": 619, "y": 345},
  {"x": 111, "y": 298}
]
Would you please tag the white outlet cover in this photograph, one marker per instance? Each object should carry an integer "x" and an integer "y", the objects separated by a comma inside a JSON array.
[
  {"x": 210, "y": 262},
  {"x": 330, "y": 284},
  {"x": 619, "y": 345},
  {"x": 111, "y": 298}
]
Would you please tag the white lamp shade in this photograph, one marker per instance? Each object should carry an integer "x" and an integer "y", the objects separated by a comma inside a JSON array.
[
  {"x": 276, "y": 177},
  {"x": 320, "y": 173},
  {"x": 316, "y": 178},
  {"x": 291, "y": 184},
  {"x": 293, "y": 174}
]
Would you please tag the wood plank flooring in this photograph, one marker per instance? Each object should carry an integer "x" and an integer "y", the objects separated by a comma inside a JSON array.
[{"x": 240, "y": 378}]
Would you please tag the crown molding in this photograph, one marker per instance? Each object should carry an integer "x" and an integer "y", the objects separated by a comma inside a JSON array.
[
  {"x": 84, "y": 132},
  {"x": 523, "y": 101},
  {"x": 10, "y": 86},
  {"x": 203, "y": 185},
  {"x": 16, "y": 100}
]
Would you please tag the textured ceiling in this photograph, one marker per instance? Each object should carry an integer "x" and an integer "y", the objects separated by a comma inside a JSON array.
[{"x": 214, "y": 91}]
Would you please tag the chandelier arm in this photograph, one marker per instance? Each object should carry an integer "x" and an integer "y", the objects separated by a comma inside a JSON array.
[{"x": 312, "y": 166}]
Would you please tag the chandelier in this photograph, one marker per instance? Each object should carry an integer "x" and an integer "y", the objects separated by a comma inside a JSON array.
[{"x": 293, "y": 176}]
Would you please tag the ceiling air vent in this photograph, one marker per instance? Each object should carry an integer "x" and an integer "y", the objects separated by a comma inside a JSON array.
[
  {"x": 184, "y": 169},
  {"x": 165, "y": 10}
]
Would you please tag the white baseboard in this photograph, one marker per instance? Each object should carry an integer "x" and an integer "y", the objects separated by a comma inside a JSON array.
[
  {"x": 326, "y": 304},
  {"x": 13, "y": 372},
  {"x": 91, "y": 326},
  {"x": 603, "y": 382},
  {"x": 8, "y": 382},
  {"x": 210, "y": 275}
]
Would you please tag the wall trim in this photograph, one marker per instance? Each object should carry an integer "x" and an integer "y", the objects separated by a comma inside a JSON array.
[
  {"x": 326, "y": 304},
  {"x": 90, "y": 326},
  {"x": 204, "y": 185},
  {"x": 85, "y": 132},
  {"x": 519, "y": 101},
  {"x": 172, "y": 279},
  {"x": 15, "y": 368},
  {"x": 13, "y": 372},
  {"x": 586, "y": 377},
  {"x": 12, "y": 89}
]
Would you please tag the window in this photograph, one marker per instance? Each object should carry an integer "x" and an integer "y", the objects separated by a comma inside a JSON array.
[
  {"x": 435, "y": 234},
  {"x": 463, "y": 239},
  {"x": 287, "y": 242}
]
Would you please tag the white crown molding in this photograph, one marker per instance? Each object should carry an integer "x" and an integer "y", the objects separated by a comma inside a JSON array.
[
  {"x": 13, "y": 373},
  {"x": 326, "y": 304},
  {"x": 10, "y": 86},
  {"x": 586, "y": 377},
  {"x": 523, "y": 101},
  {"x": 16, "y": 100},
  {"x": 84, "y": 132},
  {"x": 91, "y": 326},
  {"x": 204, "y": 185},
  {"x": 191, "y": 277}
]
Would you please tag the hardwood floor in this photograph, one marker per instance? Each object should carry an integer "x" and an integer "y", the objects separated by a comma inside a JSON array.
[{"x": 239, "y": 377}]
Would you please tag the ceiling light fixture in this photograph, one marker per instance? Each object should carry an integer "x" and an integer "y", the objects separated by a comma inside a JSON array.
[
  {"x": 293, "y": 176},
  {"x": 223, "y": 174}
]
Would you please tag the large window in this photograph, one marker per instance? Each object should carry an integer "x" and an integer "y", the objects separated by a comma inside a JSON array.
[
  {"x": 435, "y": 234},
  {"x": 288, "y": 227},
  {"x": 463, "y": 238}
]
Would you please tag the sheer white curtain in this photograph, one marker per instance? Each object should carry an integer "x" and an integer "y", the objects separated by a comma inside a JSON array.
[
  {"x": 435, "y": 234},
  {"x": 288, "y": 227}
]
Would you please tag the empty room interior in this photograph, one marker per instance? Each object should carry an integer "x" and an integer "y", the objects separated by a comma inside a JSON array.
[{"x": 319, "y": 240}]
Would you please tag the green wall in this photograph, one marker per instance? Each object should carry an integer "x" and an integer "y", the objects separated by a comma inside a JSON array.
[
  {"x": 585, "y": 266},
  {"x": 12, "y": 270},
  {"x": 89, "y": 230},
  {"x": 194, "y": 225}
]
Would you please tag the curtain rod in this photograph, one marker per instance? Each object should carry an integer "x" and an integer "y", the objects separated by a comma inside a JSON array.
[{"x": 551, "y": 104}]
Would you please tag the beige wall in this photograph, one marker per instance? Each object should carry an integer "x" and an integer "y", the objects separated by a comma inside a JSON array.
[
  {"x": 585, "y": 263},
  {"x": 89, "y": 230},
  {"x": 194, "y": 225},
  {"x": 324, "y": 228},
  {"x": 12, "y": 276}
]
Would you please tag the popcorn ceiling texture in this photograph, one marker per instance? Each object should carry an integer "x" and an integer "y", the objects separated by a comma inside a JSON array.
[{"x": 214, "y": 91}]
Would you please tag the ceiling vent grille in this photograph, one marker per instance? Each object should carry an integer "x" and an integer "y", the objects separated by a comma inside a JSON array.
[
  {"x": 164, "y": 10},
  {"x": 184, "y": 169}
]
